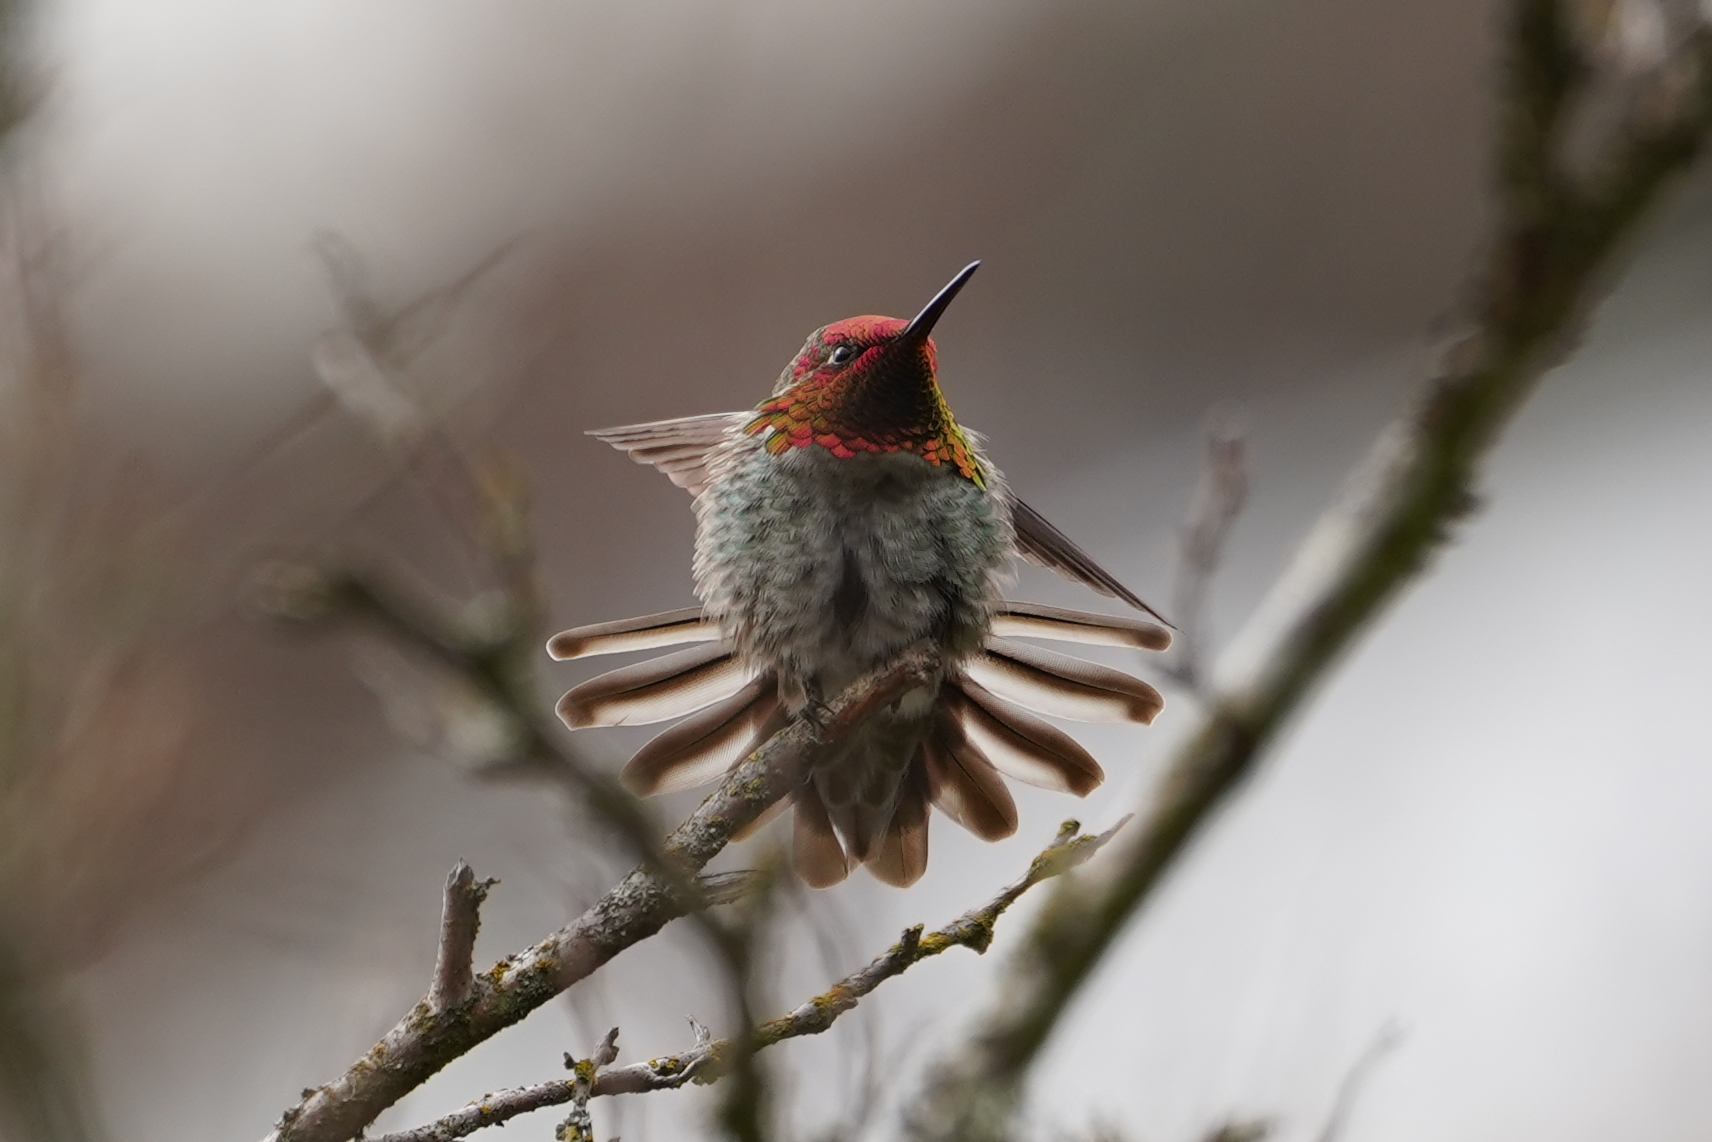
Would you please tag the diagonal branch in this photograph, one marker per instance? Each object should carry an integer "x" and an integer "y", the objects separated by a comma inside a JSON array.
[
  {"x": 1554, "y": 250},
  {"x": 702, "y": 1063},
  {"x": 636, "y": 908}
]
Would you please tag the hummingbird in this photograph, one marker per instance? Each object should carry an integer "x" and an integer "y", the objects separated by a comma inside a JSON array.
[{"x": 846, "y": 518}]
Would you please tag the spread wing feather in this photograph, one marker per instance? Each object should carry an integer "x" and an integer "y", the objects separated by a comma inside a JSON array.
[
  {"x": 1039, "y": 542},
  {"x": 679, "y": 448}
]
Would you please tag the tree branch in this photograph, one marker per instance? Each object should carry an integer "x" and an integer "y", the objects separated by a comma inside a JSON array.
[
  {"x": 636, "y": 908},
  {"x": 702, "y": 1063},
  {"x": 460, "y": 920},
  {"x": 1555, "y": 248}
]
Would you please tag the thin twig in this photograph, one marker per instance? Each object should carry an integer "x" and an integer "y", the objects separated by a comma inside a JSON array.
[
  {"x": 1218, "y": 500},
  {"x": 704, "y": 1062},
  {"x": 1553, "y": 253},
  {"x": 635, "y": 909},
  {"x": 1355, "y": 1081},
  {"x": 974, "y": 929},
  {"x": 490, "y": 1110},
  {"x": 460, "y": 920}
]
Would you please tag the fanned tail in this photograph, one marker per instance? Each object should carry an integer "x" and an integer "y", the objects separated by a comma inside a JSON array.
[
  {"x": 816, "y": 854},
  {"x": 1061, "y": 686},
  {"x": 963, "y": 784},
  {"x": 702, "y": 747},
  {"x": 979, "y": 732},
  {"x": 648, "y": 632},
  {"x": 1018, "y": 744},
  {"x": 902, "y": 856},
  {"x": 1059, "y": 624},
  {"x": 666, "y": 687}
]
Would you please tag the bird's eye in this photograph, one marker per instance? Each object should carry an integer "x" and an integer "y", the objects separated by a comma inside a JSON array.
[{"x": 841, "y": 355}]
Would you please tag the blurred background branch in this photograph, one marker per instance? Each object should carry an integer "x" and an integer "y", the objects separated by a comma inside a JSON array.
[
  {"x": 129, "y": 709},
  {"x": 1556, "y": 243},
  {"x": 709, "y": 1060},
  {"x": 632, "y": 911}
]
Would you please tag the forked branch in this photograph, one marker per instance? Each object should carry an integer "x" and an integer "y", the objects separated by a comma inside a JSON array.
[
  {"x": 640, "y": 905},
  {"x": 702, "y": 1063}
]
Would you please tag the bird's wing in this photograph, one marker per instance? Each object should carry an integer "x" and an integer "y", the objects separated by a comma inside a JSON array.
[
  {"x": 1039, "y": 542},
  {"x": 679, "y": 448}
]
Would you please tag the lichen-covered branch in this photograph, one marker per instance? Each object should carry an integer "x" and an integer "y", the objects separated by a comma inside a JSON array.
[
  {"x": 491, "y": 1110},
  {"x": 974, "y": 929},
  {"x": 702, "y": 1063},
  {"x": 639, "y": 906},
  {"x": 1558, "y": 236}
]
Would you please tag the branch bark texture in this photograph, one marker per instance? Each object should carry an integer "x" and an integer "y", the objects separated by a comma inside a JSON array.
[
  {"x": 640, "y": 905},
  {"x": 1558, "y": 237},
  {"x": 460, "y": 920},
  {"x": 702, "y": 1063}
]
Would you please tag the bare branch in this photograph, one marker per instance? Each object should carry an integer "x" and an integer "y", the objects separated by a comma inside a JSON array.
[
  {"x": 703, "y": 1063},
  {"x": 635, "y": 909},
  {"x": 1555, "y": 248},
  {"x": 491, "y": 1110},
  {"x": 460, "y": 919},
  {"x": 974, "y": 929}
]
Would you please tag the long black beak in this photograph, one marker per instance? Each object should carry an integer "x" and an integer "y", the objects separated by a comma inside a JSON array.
[{"x": 918, "y": 329}]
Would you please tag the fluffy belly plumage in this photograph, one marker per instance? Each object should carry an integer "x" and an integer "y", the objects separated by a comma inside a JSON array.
[{"x": 821, "y": 569}]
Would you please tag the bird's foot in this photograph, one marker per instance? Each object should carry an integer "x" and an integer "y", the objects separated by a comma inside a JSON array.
[{"x": 817, "y": 715}]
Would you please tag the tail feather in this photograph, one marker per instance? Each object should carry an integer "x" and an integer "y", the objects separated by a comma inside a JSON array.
[
  {"x": 1020, "y": 745},
  {"x": 702, "y": 747},
  {"x": 666, "y": 687},
  {"x": 1036, "y": 620},
  {"x": 1062, "y": 686},
  {"x": 815, "y": 852},
  {"x": 902, "y": 855},
  {"x": 964, "y": 785},
  {"x": 668, "y": 628}
]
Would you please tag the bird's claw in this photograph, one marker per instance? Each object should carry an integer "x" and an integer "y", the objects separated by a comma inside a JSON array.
[{"x": 817, "y": 715}]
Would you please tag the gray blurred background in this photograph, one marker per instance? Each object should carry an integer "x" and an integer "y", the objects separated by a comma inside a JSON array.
[{"x": 1489, "y": 832}]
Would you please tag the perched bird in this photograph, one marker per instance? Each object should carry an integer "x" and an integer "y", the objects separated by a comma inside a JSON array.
[{"x": 841, "y": 522}]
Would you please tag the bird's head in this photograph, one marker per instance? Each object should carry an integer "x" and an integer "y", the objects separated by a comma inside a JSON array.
[{"x": 870, "y": 384}]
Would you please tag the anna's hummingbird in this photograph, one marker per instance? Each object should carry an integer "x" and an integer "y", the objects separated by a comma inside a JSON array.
[{"x": 844, "y": 520}]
